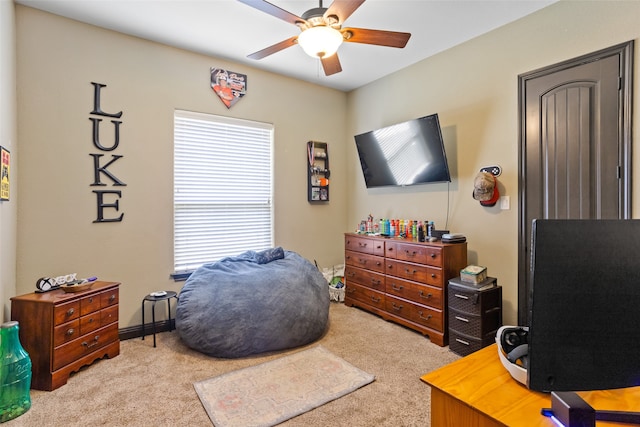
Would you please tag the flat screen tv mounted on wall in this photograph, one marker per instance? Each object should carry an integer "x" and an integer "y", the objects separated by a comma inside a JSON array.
[{"x": 407, "y": 153}]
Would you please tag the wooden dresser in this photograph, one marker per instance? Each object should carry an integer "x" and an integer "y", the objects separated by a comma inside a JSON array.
[
  {"x": 64, "y": 331},
  {"x": 403, "y": 280}
]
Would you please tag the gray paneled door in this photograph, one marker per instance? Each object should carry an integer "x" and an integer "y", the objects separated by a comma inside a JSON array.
[{"x": 574, "y": 146}]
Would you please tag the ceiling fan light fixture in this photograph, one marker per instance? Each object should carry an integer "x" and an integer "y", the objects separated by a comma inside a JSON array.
[{"x": 320, "y": 41}]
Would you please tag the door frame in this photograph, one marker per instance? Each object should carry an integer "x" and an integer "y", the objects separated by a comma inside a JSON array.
[{"x": 625, "y": 104}]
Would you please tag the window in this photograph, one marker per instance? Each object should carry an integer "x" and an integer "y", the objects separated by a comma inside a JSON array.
[{"x": 222, "y": 196}]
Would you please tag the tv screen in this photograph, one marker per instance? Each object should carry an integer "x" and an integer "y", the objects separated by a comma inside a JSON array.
[
  {"x": 585, "y": 305},
  {"x": 403, "y": 154}
]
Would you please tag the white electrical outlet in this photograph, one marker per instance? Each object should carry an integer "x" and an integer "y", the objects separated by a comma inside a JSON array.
[{"x": 505, "y": 203}]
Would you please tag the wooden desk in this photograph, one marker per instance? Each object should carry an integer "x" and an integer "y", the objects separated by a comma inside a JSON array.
[{"x": 477, "y": 391}]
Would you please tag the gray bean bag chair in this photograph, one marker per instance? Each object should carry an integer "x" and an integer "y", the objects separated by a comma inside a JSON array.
[{"x": 253, "y": 303}]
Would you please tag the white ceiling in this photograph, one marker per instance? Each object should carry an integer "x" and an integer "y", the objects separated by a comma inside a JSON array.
[{"x": 231, "y": 30}]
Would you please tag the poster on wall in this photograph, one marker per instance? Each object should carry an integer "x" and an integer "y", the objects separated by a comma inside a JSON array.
[
  {"x": 228, "y": 85},
  {"x": 4, "y": 172}
]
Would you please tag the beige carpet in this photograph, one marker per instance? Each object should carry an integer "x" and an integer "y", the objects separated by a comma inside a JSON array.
[
  {"x": 146, "y": 386},
  {"x": 267, "y": 394}
]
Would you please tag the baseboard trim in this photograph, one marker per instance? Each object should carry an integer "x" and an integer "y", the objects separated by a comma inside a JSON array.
[{"x": 136, "y": 331}]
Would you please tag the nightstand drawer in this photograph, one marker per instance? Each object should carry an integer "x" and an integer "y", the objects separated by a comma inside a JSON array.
[
  {"x": 464, "y": 345},
  {"x": 474, "y": 325},
  {"x": 472, "y": 301}
]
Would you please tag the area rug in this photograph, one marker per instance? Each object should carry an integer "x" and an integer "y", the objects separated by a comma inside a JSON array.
[{"x": 275, "y": 391}]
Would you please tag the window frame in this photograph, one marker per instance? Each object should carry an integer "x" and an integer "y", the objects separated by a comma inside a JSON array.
[{"x": 194, "y": 135}]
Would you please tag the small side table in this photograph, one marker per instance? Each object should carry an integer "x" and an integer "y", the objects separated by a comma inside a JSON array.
[{"x": 154, "y": 299}]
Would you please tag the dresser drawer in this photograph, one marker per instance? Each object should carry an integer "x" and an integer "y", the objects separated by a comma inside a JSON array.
[
  {"x": 109, "y": 315},
  {"x": 427, "y": 316},
  {"x": 475, "y": 325},
  {"x": 414, "y": 272},
  {"x": 364, "y": 245},
  {"x": 89, "y": 304},
  {"x": 84, "y": 345},
  {"x": 423, "y": 315},
  {"x": 364, "y": 277},
  {"x": 90, "y": 322},
  {"x": 66, "y": 332},
  {"x": 359, "y": 259},
  {"x": 424, "y": 294},
  {"x": 65, "y": 312},
  {"x": 364, "y": 294},
  {"x": 109, "y": 298},
  {"x": 414, "y": 253}
]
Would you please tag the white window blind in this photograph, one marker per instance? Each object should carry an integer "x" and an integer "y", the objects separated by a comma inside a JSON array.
[{"x": 222, "y": 188}]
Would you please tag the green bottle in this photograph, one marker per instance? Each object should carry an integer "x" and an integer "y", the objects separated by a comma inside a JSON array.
[{"x": 15, "y": 374}]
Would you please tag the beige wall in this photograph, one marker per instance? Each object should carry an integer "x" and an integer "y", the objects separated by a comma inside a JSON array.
[
  {"x": 58, "y": 60},
  {"x": 8, "y": 209},
  {"x": 473, "y": 88}
]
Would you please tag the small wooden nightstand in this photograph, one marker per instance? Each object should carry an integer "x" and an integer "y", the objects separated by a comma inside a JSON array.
[{"x": 63, "y": 332}]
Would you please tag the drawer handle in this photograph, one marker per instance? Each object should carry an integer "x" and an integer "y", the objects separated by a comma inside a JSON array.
[
  {"x": 351, "y": 274},
  {"x": 429, "y": 316},
  {"x": 93, "y": 343},
  {"x": 462, "y": 319},
  {"x": 433, "y": 255},
  {"x": 375, "y": 282},
  {"x": 90, "y": 299},
  {"x": 362, "y": 261},
  {"x": 428, "y": 296},
  {"x": 362, "y": 245},
  {"x": 378, "y": 263},
  {"x": 462, "y": 342},
  {"x": 112, "y": 298},
  {"x": 350, "y": 290},
  {"x": 461, "y": 296},
  {"x": 397, "y": 288},
  {"x": 376, "y": 300},
  {"x": 378, "y": 247},
  {"x": 397, "y": 307},
  {"x": 410, "y": 253},
  {"x": 406, "y": 270},
  {"x": 91, "y": 320},
  {"x": 70, "y": 312},
  {"x": 70, "y": 332},
  {"x": 348, "y": 257},
  {"x": 433, "y": 275}
]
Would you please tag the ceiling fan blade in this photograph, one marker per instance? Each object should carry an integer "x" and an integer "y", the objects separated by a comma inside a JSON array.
[
  {"x": 331, "y": 64},
  {"x": 273, "y": 10},
  {"x": 343, "y": 9},
  {"x": 274, "y": 48},
  {"x": 377, "y": 37}
]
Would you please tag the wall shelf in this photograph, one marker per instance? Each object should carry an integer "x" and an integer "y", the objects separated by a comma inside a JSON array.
[{"x": 317, "y": 172}]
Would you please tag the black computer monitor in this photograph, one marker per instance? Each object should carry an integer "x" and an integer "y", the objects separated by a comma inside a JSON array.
[{"x": 585, "y": 305}]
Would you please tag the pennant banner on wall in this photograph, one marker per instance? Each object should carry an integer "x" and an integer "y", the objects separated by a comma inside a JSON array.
[{"x": 228, "y": 85}]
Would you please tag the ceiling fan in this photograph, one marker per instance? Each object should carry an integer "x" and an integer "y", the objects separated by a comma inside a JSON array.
[{"x": 322, "y": 32}]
